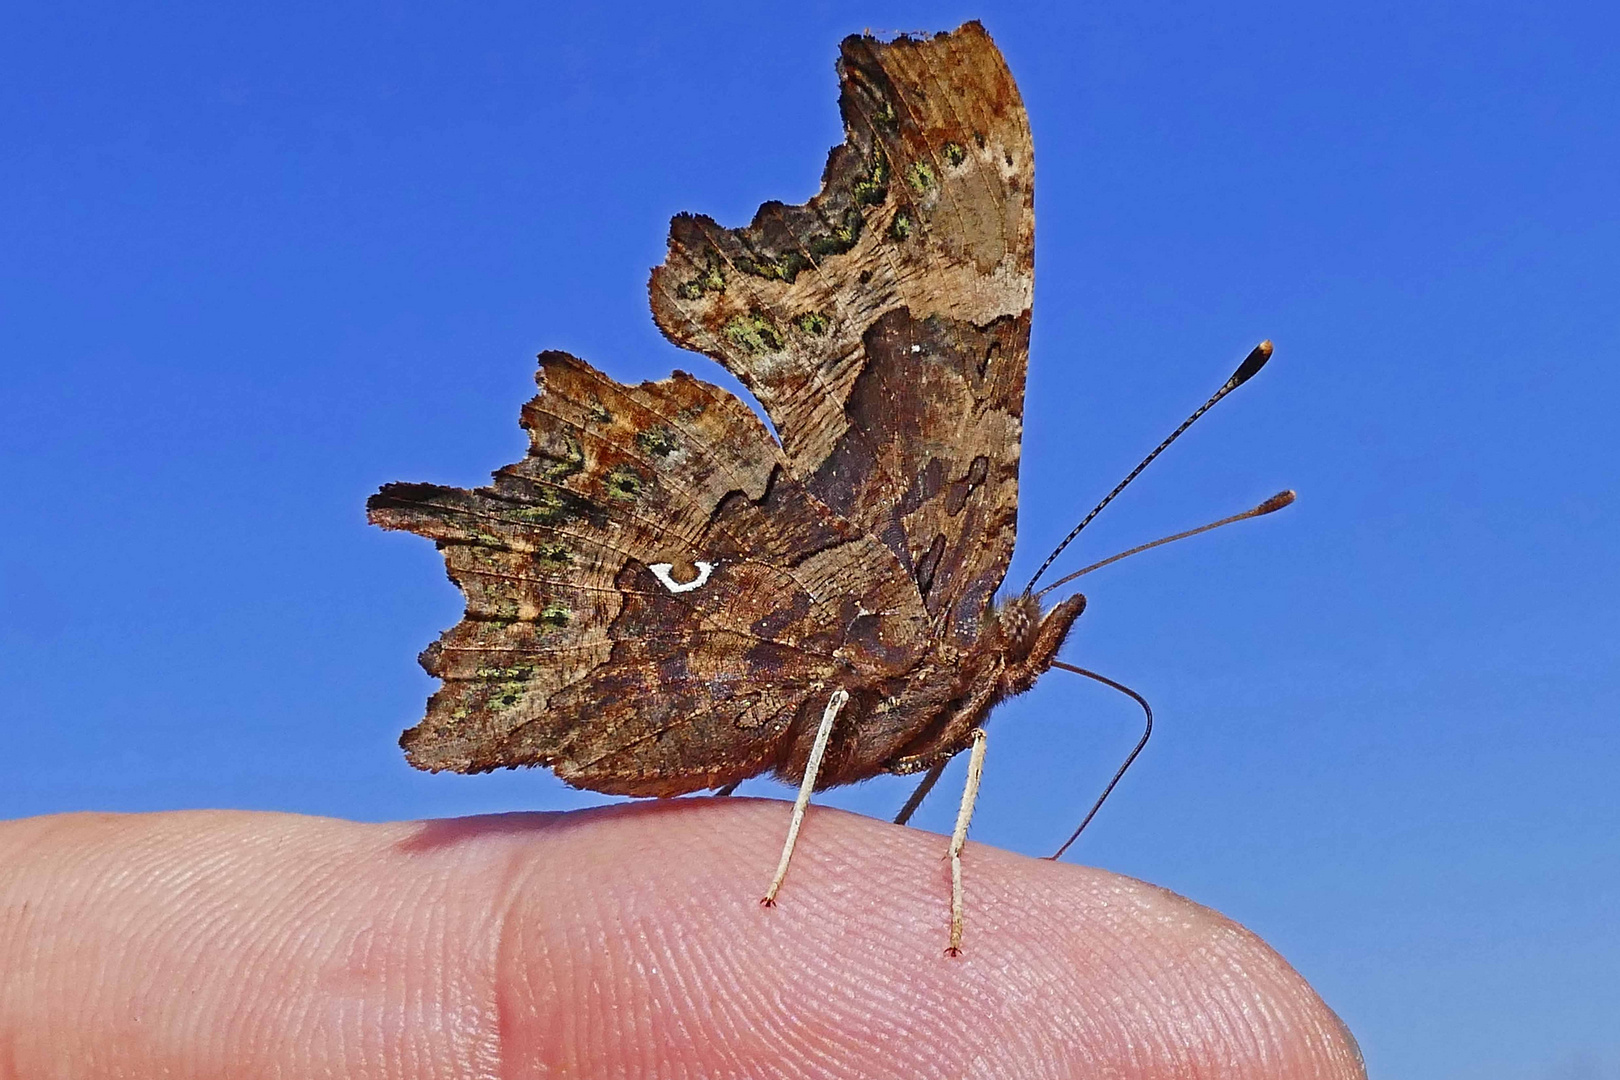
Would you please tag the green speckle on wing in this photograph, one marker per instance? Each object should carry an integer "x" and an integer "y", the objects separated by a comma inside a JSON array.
[
  {"x": 501, "y": 610},
  {"x": 708, "y": 279},
  {"x": 839, "y": 238},
  {"x": 515, "y": 671},
  {"x": 548, "y": 508},
  {"x": 557, "y": 554},
  {"x": 559, "y": 465},
  {"x": 885, "y": 117},
  {"x": 556, "y": 615},
  {"x": 920, "y": 175},
  {"x": 552, "y": 505},
  {"x": 624, "y": 483},
  {"x": 812, "y": 322},
  {"x": 900, "y": 227},
  {"x": 510, "y": 681},
  {"x": 873, "y": 188},
  {"x": 657, "y": 441},
  {"x": 954, "y": 154},
  {"x": 784, "y": 267},
  {"x": 753, "y": 332}
]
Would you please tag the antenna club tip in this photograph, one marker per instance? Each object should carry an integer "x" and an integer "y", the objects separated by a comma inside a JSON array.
[
  {"x": 1251, "y": 364},
  {"x": 1276, "y": 502}
]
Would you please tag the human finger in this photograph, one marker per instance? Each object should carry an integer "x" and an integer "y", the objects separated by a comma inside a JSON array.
[{"x": 625, "y": 941}]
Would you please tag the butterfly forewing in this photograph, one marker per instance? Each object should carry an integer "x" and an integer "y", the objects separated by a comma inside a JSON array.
[{"x": 884, "y": 325}]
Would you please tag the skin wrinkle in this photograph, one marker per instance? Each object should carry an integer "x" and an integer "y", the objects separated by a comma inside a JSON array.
[
  {"x": 1201, "y": 1009},
  {"x": 818, "y": 1044},
  {"x": 303, "y": 938},
  {"x": 662, "y": 974},
  {"x": 729, "y": 1013},
  {"x": 381, "y": 1019},
  {"x": 891, "y": 971},
  {"x": 311, "y": 937},
  {"x": 1110, "y": 943},
  {"x": 678, "y": 977},
  {"x": 476, "y": 1012},
  {"x": 404, "y": 1011},
  {"x": 260, "y": 956},
  {"x": 859, "y": 1007},
  {"x": 847, "y": 1021},
  {"x": 725, "y": 1008},
  {"x": 511, "y": 925},
  {"x": 1261, "y": 1034},
  {"x": 1274, "y": 1024},
  {"x": 181, "y": 872},
  {"x": 88, "y": 879},
  {"x": 420, "y": 1012},
  {"x": 1104, "y": 942},
  {"x": 503, "y": 929},
  {"x": 673, "y": 996},
  {"x": 1040, "y": 967},
  {"x": 1193, "y": 1001},
  {"x": 1213, "y": 1023}
]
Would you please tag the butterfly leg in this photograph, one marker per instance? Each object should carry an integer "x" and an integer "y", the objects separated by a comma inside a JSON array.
[
  {"x": 921, "y": 792},
  {"x": 970, "y": 795},
  {"x": 806, "y": 786}
]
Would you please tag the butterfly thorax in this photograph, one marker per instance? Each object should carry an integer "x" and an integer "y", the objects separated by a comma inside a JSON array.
[{"x": 934, "y": 708}]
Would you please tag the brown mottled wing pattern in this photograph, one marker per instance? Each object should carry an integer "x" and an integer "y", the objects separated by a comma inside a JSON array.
[
  {"x": 574, "y": 653},
  {"x": 660, "y": 597},
  {"x": 884, "y": 325}
]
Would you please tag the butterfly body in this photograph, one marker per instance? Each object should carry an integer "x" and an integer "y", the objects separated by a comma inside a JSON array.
[{"x": 661, "y": 596}]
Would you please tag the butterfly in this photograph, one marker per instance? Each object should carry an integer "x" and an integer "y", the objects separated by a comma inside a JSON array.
[{"x": 664, "y": 598}]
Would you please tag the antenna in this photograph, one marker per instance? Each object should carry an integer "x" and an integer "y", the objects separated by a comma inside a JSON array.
[
  {"x": 1270, "y": 506},
  {"x": 1251, "y": 364}
]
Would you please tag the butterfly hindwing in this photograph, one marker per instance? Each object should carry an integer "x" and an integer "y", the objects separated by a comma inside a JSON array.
[{"x": 587, "y": 647}]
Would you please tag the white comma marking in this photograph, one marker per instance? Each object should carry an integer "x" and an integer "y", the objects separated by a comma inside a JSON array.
[{"x": 661, "y": 572}]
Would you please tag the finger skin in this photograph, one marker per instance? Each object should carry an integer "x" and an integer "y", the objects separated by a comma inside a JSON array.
[{"x": 624, "y": 941}]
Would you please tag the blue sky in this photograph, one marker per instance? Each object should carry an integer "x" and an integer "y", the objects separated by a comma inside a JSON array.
[{"x": 256, "y": 263}]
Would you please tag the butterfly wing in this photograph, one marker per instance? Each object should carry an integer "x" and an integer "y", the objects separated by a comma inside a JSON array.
[
  {"x": 651, "y": 601},
  {"x": 660, "y": 597},
  {"x": 884, "y": 324}
]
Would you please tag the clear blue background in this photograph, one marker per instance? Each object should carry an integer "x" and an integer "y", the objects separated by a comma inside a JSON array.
[{"x": 255, "y": 264}]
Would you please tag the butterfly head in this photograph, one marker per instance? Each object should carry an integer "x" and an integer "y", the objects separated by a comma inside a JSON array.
[{"x": 1029, "y": 639}]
